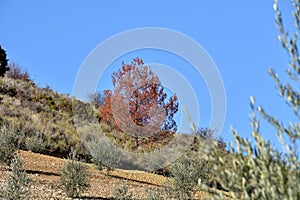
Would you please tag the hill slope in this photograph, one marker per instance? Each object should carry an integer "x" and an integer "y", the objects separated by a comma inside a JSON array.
[
  {"x": 43, "y": 120},
  {"x": 41, "y": 117},
  {"x": 44, "y": 172}
]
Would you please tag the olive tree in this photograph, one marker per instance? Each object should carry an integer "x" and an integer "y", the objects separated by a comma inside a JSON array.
[{"x": 259, "y": 171}]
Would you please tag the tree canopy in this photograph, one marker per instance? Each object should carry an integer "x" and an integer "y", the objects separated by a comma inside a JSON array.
[
  {"x": 3, "y": 62},
  {"x": 138, "y": 105}
]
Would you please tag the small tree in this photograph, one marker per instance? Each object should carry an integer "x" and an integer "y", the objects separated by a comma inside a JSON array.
[
  {"x": 74, "y": 176},
  {"x": 185, "y": 173},
  {"x": 121, "y": 192},
  {"x": 16, "y": 72},
  {"x": 138, "y": 105},
  {"x": 3, "y": 62},
  {"x": 17, "y": 183},
  {"x": 105, "y": 111},
  {"x": 103, "y": 152},
  {"x": 9, "y": 143},
  {"x": 97, "y": 99}
]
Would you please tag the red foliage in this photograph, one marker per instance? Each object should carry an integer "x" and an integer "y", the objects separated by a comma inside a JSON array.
[
  {"x": 105, "y": 111},
  {"x": 138, "y": 105}
]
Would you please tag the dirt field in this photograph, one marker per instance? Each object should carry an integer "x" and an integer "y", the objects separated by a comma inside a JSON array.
[{"x": 44, "y": 172}]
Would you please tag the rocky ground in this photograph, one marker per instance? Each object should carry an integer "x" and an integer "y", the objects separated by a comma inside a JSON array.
[{"x": 44, "y": 172}]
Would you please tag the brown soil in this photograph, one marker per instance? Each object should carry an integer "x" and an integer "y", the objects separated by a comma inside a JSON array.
[{"x": 44, "y": 172}]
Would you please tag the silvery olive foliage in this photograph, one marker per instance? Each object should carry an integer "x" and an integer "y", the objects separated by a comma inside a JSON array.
[
  {"x": 259, "y": 171},
  {"x": 103, "y": 152},
  {"x": 17, "y": 185},
  {"x": 185, "y": 173},
  {"x": 155, "y": 193},
  {"x": 121, "y": 192},
  {"x": 9, "y": 143},
  {"x": 74, "y": 176}
]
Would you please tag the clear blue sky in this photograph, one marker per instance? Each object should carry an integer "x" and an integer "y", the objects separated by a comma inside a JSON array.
[{"x": 51, "y": 39}]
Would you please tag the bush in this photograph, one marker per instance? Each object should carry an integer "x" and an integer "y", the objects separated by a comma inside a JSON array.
[
  {"x": 30, "y": 110},
  {"x": 96, "y": 99},
  {"x": 185, "y": 173},
  {"x": 7, "y": 89},
  {"x": 9, "y": 143},
  {"x": 35, "y": 144},
  {"x": 103, "y": 152},
  {"x": 17, "y": 183},
  {"x": 154, "y": 194},
  {"x": 121, "y": 192},
  {"x": 15, "y": 72},
  {"x": 74, "y": 176},
  {"x": 152, "y": 162}
]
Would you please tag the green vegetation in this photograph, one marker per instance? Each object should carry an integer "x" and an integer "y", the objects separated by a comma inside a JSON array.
[
  {"x": 74, "y": 176},
  {"x": 121, "y": 192},
  {"x": 34, "y": 143},
  {"x": 185, "y": 173},
  {"x": 259, "y": 171},
  {"x": 41, "y": 120},
  {"x": 9, "y": 142},
  {"x": 17, "y": 183},
  {"x": 3, "y": 62},
  {"x": 102, "y": 150},
  {"x": 193, "y": 168},
  {"x": 154, "y": 194}
]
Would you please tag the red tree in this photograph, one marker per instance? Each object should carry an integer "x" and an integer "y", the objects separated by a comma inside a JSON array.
[
  {"x": 105, "y": 111},
  {"x": 138, "y": 105}
]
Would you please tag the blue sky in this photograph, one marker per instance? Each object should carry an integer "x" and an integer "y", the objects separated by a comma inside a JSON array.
[{"x": 51, "y": 39}]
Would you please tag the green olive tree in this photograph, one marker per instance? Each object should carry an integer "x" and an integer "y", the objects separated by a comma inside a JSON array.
[{"x": 259, "y": 171}]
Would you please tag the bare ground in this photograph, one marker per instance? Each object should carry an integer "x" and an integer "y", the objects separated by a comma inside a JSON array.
[{"x": 44, "y": 172}]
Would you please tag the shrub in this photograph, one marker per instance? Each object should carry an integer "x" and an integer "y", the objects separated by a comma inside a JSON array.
[
  {"x": 35, "y": 144},
  {"x": 7, "y": 89},
  {"x": 152, "y": 161},
  {"x": 17, "y": 183},
  {"x": 30, "y": 110},
  {"x": 96, "y": 99},
  {"x": 154, "y": 194},
  {"x": 185, "y": 173},
  {"x": 74, "y": 176},
  {"x": 9, "y": 142},
  {"x": 15, "y": 72},
  {"x": 121, "y": 192},
  {"x": 130, "y": 145},
  {"x": 103, "y": 152}
]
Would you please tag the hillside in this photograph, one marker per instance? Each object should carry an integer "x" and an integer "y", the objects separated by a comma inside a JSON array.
[
  {"x": 44, "y": 171},
  {"x": 41, "y": 117},
  {"x": 42, "y": 120},
  {"x": 124, "y": 143}
]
